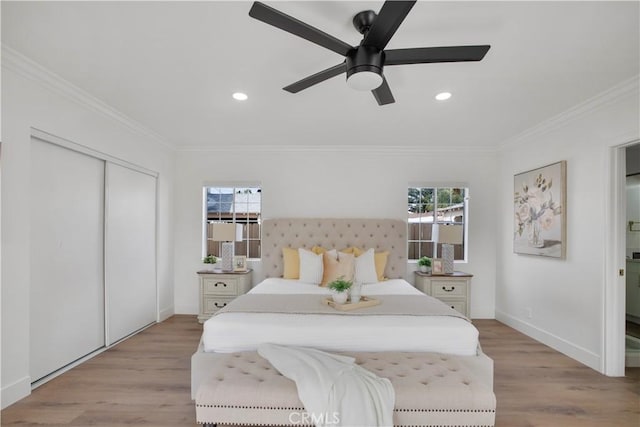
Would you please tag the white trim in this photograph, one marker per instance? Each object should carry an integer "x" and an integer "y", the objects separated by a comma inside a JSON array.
[
  {"x": 165, "y": 313},
  {"x": 65, "y": 143},
  {"x": 387, "y": 150},
  {"x": 26, "y": 67},
  {"x": 15, "y": 391},
  {"x": 622, "y": 90},
  {"x": 565, "y": 347}
]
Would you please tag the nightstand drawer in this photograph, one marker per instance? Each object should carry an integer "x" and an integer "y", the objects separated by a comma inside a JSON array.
[
  {"x": 211, "y": 304},
  {"x": 458, "y": 305},
  {"x": 220, "y": 286},
  {"x": 449, "y": 288}
]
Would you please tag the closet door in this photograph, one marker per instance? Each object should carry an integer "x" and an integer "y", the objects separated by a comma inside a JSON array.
[
  {"x": 67, "y": 290},
  {"x": 130, "y": 251}
]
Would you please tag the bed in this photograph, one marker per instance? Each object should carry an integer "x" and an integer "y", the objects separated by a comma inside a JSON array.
[
  {"x": 341, "y": 331},
  {"x": 237, "y": 334}
]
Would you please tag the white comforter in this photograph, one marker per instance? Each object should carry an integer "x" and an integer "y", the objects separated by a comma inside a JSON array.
[
  {"x": 232, "y": 332},
  {"x": 334, "y": 390}
]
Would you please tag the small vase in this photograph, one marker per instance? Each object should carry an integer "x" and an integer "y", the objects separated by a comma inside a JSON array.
[
  {"x": 534, "y": 237},
  {"x": 208, "y": 267},
  {"x": 340, "y": 297},
  {"x": 424, "y": 268}
]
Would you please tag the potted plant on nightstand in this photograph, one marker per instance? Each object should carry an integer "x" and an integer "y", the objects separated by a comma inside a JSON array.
[
  {"x": 209, "y": 262},
  {"x": 424, "y": 264},
  {"x": 340, "y": 290}
]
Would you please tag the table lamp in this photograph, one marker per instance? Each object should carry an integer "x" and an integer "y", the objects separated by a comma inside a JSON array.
[
  {"x": 227, "y": 233},
  {"x": 448, "y": 235}
]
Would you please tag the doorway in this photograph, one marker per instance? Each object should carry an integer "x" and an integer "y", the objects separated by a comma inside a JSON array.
[{"x": 632, "y": 244}]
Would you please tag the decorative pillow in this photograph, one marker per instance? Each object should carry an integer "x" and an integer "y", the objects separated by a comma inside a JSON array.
[
  {"x": 380, "y": 259},
  {"x": 365, "y": 268},
  {"x": 336, "y": 265},
  {"x": 353, "y": 250},
  {"x": 291, "y": 263},
  {"x": 310, "y": 267},
  {"x": 318, "y": 250}
]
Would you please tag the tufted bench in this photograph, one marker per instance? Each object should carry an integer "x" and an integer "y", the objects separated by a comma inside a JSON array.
[{"x": 431, "y": 390}]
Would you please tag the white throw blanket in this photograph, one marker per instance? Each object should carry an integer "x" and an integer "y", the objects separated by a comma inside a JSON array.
[{"x": 334, "y": 390}]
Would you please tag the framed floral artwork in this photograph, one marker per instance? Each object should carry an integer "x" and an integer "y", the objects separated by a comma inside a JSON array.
[{"x": 539, "y": 207}]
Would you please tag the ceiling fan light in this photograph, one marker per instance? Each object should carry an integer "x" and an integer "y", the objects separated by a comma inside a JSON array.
[{"x": 364, "y": 80}]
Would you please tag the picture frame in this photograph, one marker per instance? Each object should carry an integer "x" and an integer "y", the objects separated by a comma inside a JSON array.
[
  {"x": 540, "y": 211},
  {"x": 437, "y": 267},
  {"x": 239, "y": 263}
]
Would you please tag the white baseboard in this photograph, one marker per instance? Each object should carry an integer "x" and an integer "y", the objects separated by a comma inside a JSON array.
[
  {"x": 165, "y": 313},
  {"x": 565, "y": 347},
  {"x": 11, "y": 393}
]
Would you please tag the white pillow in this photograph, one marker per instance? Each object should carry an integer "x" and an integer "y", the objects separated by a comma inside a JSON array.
[
  {"x": 365, "y": 268},
  {"x": 310, "y": 267}
]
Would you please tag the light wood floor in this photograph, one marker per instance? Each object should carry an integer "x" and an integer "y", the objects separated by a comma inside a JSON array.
[{"x": 145, "y": 381}]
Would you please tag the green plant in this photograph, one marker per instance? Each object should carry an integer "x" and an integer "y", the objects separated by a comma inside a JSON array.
[
  {"x": 210, "y": 259},
  {"x": 425, "y": 261},
  {"x": 340, "y": 285}
]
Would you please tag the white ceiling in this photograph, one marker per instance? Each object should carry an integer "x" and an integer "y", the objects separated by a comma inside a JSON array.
[{"x": 172, "y": 66}]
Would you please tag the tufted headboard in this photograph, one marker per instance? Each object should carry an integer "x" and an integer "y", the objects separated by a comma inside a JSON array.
[{"x": 380, "y": 234}]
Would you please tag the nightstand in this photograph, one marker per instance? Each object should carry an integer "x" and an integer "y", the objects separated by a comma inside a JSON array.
[
  {"x": 218, "y": 288},
  {"x": 452, "y": 289}
]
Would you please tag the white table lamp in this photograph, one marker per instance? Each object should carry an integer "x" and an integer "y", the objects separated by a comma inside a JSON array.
[
  {"x": 227, "y": 233},
  {"x": 448, "y": 235}
]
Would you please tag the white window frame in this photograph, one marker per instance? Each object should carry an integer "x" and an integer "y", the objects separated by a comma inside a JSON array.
[
  {"x": 465, "y": 222},
  {"x": 234, "y": 186}
]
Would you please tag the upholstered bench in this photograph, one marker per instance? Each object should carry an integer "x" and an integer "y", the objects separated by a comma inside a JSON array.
[{"x": 431, "y": 390}]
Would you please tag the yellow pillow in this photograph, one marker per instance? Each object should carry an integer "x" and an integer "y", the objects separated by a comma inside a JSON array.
[
  {"x": 353, "y": 250},
  {"x": 318, "y": 250},
  {"x": 380, "y": 259},
  {"x": 291, "y": 263},
  {"x": 336, "y": 266}
]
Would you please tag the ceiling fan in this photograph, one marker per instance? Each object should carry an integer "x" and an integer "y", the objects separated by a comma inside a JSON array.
[{"x": 364, "y": 63}]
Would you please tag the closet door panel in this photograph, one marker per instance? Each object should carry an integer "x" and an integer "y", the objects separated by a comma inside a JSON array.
[
  {"x": 67, "y": 288},
  {"x": 130, "y": 251}
]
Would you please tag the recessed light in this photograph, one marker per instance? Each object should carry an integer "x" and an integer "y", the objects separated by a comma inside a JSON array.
[
  {"x": 442, "y": 96},
  {"x": 240, "y": 96}
]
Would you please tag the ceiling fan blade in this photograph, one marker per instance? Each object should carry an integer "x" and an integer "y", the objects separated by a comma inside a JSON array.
[
  {"x": 423, "y": 55},
  {"x": 316, "y": 78},
  {"x": 271, "y": 16},
  {"x": 387, "y": 22},
  {"x": 383, "y": 93}
]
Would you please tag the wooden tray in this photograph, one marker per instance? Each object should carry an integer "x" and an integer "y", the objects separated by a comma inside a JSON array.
[{"x": 364, "y": 302}]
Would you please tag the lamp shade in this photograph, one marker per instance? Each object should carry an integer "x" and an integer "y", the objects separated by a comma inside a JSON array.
[
  {"x": 226, "y": 232},
  {"x": 449, "y": 233}
]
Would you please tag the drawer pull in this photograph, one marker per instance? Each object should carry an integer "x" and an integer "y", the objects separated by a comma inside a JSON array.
[
  {"x": 453, "y": 288},
  {"x": 220, "y": 283},
  {"x": 220, "y": 306}
]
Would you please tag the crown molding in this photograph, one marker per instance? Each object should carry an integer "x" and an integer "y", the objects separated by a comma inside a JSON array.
[
  {"x": 626, "y": 88},
  {"x": 14, "y": 61},
  {"x": 383, "y": 149}
]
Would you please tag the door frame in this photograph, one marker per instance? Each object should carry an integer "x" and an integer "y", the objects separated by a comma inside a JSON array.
[{"x": 614, "y": 292}]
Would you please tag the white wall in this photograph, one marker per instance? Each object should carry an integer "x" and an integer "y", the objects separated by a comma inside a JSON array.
[
  {"x": 40, "y": 103},
  {"x": 565, "y": 296},
  {"x": 327, "y": 182}
]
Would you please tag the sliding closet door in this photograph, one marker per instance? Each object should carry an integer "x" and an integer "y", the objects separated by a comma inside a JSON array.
[
  {"x": 67, "y": 292},
  {"x": 130, "y": 251}
]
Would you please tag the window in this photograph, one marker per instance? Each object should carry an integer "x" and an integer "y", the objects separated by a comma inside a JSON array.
[
  {"x": 240, "y": 205},
  {"x": 434, "y": 205}
]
